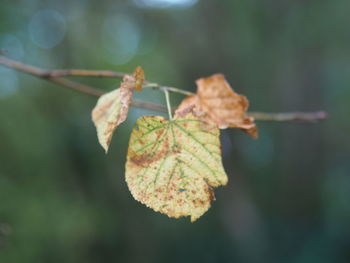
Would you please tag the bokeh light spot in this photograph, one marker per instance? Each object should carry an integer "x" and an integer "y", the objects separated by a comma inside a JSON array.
[
  {"x": 120, "y": 39},
  {"x": 12, "y": 46},
  {"x": 164, "y": 3},
  {"x": 8, "y": 83},
  {"x": 47, "y": 28}
]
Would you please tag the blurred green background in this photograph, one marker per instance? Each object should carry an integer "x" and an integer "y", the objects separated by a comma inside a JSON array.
[{"x": 64, "y": 200}]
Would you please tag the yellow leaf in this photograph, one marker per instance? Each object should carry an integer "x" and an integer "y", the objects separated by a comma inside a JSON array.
[
  {"x": 172, "y": 166},
  {"x": 215, "y": 101},
  {"x": 111, "y": 110}
]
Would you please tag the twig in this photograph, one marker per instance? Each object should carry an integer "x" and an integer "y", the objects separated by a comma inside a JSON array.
[
  {"x": 75, "y": 86},
  {"x": 59, "y": 73},
  {"x": 47, "y": 75},
  {"x": 55, "y": 73},
  {"x": 148, "y": 105},
  {"x": 41, "y": 73},
  {"x": 56, "y": 77},
  {"x": 84, "y": 73},
  {"x": 289, "y": 116}
]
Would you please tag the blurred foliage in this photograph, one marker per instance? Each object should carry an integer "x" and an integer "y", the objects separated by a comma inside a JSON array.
[{"x": 64, "y": 200}]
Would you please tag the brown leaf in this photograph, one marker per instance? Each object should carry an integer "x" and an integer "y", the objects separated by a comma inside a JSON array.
[
  {"x": 112, "y": 108},
  {"x": 139, "y": 76},
  {"x": 215, "y": 101}
]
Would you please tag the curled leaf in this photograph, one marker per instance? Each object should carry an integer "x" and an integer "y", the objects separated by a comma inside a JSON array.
[
  {"x": 215, "y": 101},
  {"x": 172, "y": 166},
  {"x": 112, "y": 108},
  {"x": 139, "y": 76}
]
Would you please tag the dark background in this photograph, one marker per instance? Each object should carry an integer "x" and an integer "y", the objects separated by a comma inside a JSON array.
[{"x": 63, "y": 200}]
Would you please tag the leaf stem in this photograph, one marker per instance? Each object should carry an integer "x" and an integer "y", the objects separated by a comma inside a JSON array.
[
  {"x": 172, "y": 89},
  {"x": 167, "y": 98}
]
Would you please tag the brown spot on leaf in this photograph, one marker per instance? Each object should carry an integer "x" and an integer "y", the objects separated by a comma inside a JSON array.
[
  {"x": 144, "y": 159},
  {"x": 211, "y": 194}
]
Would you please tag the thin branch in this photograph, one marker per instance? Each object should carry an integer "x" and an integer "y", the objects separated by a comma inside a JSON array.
[
  {"x": 46, "y": 74},
  {"x": 148, "y": 106},
  {"x": 84, "y": 73},
  {"x": 76, "y": 86},
  {"x": 289, "y": 116},
  {"x": 41, "y": 73},
  {"x": 55, "y": 76},
  {"x": 56, "y": 73}
]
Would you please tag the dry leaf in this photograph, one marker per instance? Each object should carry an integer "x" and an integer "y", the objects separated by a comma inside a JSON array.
[
  {"x": 215, "y": 101},
  {"x": 112, "y": 108},
  {"x": 172, "y": 166},
  {"x": 139, "y": 76}
]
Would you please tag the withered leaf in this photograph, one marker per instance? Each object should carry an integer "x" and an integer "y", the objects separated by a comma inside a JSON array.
[
  {"x": 215, "y": 101},
  {"x": 172, "y": 166},
  {"x": 112, "y": 108},
  {"x": 139, "y": 76}
]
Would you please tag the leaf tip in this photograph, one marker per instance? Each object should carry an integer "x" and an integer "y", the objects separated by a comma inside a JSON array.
[{"x": 105, "y": 148}]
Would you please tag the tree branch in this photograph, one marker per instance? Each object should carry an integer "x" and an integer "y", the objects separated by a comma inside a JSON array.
[
  {"x": 84, "y": 73},
  {"x": 56, "y": 76},
  {"x": 289, "y": 116},
  {"x": 53, "y": 77}
]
